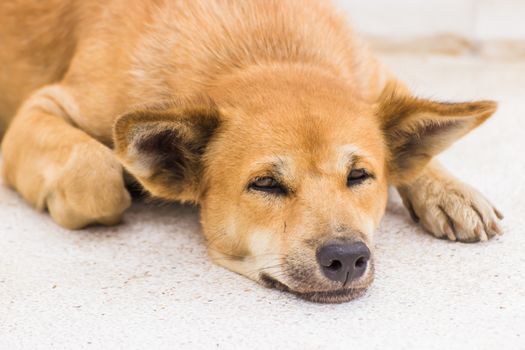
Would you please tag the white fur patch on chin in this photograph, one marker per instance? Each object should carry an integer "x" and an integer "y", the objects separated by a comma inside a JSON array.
[
  {"x": 265, "y": 256},
  {"x": 260, "y": 242},
  {"x": 265, "y": 252}
]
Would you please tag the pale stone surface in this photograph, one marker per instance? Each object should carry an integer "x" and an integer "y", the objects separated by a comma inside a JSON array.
[{"x": 148, "y": 283}]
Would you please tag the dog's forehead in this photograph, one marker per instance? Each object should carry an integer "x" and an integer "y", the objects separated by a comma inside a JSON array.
[
  {"x": 305, "y": 130},
  {"x": 338, "y": 159},
  {"x": 299, "y": 136}
]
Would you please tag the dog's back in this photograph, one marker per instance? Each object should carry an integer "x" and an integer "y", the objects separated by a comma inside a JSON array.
[
  {"x": 196, "y": 40},
  {"x": 36, "y": 45},
  {"x": 203, "y": 39}
]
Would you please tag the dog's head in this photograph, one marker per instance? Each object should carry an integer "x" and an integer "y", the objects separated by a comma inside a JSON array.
[{"x": 291, "y": 170}]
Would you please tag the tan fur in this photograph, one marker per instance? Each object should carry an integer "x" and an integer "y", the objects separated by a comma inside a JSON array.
[{"x": 199, "y": 98}]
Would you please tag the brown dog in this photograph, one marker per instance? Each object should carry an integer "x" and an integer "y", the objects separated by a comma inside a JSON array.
[{"x": 269, "y": 114}]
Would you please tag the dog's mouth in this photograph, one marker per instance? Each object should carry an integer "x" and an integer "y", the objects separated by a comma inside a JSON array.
[{"x": 331, "y": 296}]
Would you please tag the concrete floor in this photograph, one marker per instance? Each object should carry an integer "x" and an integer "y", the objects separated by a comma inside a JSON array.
[{"x": 149, "y": 284}]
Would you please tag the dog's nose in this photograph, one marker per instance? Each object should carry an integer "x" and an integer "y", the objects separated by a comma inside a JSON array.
[{"x": 343, "y": 262}]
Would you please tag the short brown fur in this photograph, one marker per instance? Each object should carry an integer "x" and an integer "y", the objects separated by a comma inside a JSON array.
[{"x": 199, "y": 100}]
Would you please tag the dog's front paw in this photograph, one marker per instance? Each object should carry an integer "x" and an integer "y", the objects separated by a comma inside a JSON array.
[
  {"x": 449, "y": 208},
  {"x": 89, "y": 189}
]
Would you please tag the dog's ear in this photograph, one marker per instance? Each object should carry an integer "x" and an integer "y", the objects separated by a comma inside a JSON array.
[
  {"x": 163, "y": 146},
  {"x": 417, "y": 129}
]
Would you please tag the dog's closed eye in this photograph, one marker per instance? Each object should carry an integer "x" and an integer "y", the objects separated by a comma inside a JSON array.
[
  {"x": 357, "y": 177},
  {"x": 269, "y": 185}
]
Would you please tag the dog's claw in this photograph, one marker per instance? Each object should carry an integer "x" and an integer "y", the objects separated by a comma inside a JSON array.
[
  {"x": 480, "y": 232},
  {"x": 449, "y": 232},
  {"x": 495, "y": 227}
]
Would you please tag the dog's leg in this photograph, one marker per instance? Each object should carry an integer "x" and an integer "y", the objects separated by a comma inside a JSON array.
[
  {"x": 449, "y": 208},
  {"x": 57, "y": 166}
]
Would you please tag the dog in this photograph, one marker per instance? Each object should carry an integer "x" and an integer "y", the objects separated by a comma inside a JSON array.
[{"x": 271, "y": 115}]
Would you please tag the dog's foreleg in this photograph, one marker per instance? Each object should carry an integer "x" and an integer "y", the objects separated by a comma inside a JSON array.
[{"x": 58, "y": 167}]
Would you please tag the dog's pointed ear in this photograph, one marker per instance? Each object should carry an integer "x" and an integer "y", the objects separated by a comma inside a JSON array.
[
  {"x": 417, "y": 129},
  {"x": 163, "y": 146}
]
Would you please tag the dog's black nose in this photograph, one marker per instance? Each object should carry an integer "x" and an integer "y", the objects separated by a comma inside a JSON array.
[{"x": 343, "y": 262}]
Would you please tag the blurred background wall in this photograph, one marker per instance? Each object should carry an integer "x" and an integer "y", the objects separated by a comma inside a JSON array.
[{"x": 487, "y": 27}]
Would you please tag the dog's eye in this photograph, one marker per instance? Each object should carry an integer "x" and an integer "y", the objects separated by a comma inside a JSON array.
[
  {"x": 357, "y": 176},
  {"x": 267, "y": 184}
]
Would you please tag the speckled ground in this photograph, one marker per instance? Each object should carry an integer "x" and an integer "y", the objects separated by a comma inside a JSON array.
[{"x": 148, "y": 283}]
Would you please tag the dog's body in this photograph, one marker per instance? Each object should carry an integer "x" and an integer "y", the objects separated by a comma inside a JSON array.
[{"x": 269, "y": 114}]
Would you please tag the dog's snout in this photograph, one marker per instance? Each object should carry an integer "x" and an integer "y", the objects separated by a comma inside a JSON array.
[{"x": 343, "y": 262}]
